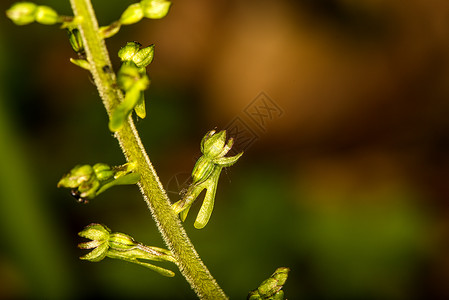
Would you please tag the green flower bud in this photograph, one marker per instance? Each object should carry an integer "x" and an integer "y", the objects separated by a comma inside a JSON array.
[
  {"x": 140, "y": 57},
  {"x": 281, "y": 275},
  {"x": 99, "y": 234},
  {"x": 75, "y": 40},
  {"x": 205, "y": 175},
  {"x": 131, "y": 15},
  {"x": 127, "y": 52},
  {"x": 271, "y": 288},
  {"x": 103, "y": 171},
  {"x": 88, "y": 182},
  {"x": 121, "y": 242},
  {"x": 213, "y": 144},
  {"x": 22, "y": 13},
  {"x": 155, "y": 9},
  {"x": 46, "y": 15},
  {"x": 122, "y": 246}
]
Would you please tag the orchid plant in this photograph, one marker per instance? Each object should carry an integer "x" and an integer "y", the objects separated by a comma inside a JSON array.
[{"x": 122, "y": 94}]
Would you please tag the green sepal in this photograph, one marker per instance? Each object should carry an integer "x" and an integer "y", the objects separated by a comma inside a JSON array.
[
  {"x": 131, "y": 52},
  {"x": 144, "y": 56},
  {"x": 227, "y": 161},
  {"x": 95, "y": 231},
  {"x": 97, "y": 254},
  {"x": 82, "y": 63}
]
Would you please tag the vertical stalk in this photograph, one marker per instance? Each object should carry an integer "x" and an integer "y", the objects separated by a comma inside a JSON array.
[{"x": 173, "y": 233}]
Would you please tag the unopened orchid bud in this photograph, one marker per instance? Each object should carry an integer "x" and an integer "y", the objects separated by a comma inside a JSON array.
[
  {"x": 155, "y": 9},
  {"x": 131, "y": 15},
  {"x": 46, "y": 15},
  {"x": 22, "y": 13}
]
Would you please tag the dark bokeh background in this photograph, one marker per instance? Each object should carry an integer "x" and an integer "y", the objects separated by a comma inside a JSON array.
[{"x": 348, "y": 186}]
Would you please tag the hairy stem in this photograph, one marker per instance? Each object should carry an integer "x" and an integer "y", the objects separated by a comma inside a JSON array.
[{"x": 173, "y": 233}]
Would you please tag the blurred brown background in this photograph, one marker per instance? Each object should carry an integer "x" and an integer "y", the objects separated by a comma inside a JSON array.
[{"x": 346, "y": 180}]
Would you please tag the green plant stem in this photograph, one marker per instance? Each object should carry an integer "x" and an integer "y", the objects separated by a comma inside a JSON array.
[{"x": 173, "y": 233}]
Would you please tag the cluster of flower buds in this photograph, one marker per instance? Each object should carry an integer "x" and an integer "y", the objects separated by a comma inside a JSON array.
[
  {"x": 205, "y": 175},
  {"x": 87, "y": 181},
  {"x": 271, "y": 288},
  {"x": 122, "y": 246},
  {"x": 133, "y": 80},
  {"x": 151, "y": 9},
  {"x": 23, "y": 13}
]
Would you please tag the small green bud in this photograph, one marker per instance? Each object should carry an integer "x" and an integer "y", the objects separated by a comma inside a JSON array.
[
  {"x": 212, "y": 144},
  {"x": 75, "y": 40},
  {"x": 132, "y": 52},
  {"x": 88, "y": 182},
  {"x": 131, "y": 15},
  {"x": 122, "y": 246},
  {"x": 22, "y": 13},
  {"x": 121, "y": 242},
  {"x": 103, "y": 171},
  {"x": 127, "y": 52},
  {"x": 271, "y": 288},
  {"x": 99, "y": 234},
  {"x": 155, "y": 9},
  {"x": 46, "y": 15},
  {"x": 281, "y": 275}
]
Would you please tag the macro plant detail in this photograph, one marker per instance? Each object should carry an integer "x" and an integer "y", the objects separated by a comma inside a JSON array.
[
  {"x": 122, "y": 246},
  {"x": 271, "y": 288},
  {"x": 205, "y": 175},
  {"x": 87, "y": 181},
  {"x": 122, "y": 93},
  {"x": 132, "y": 79}
]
